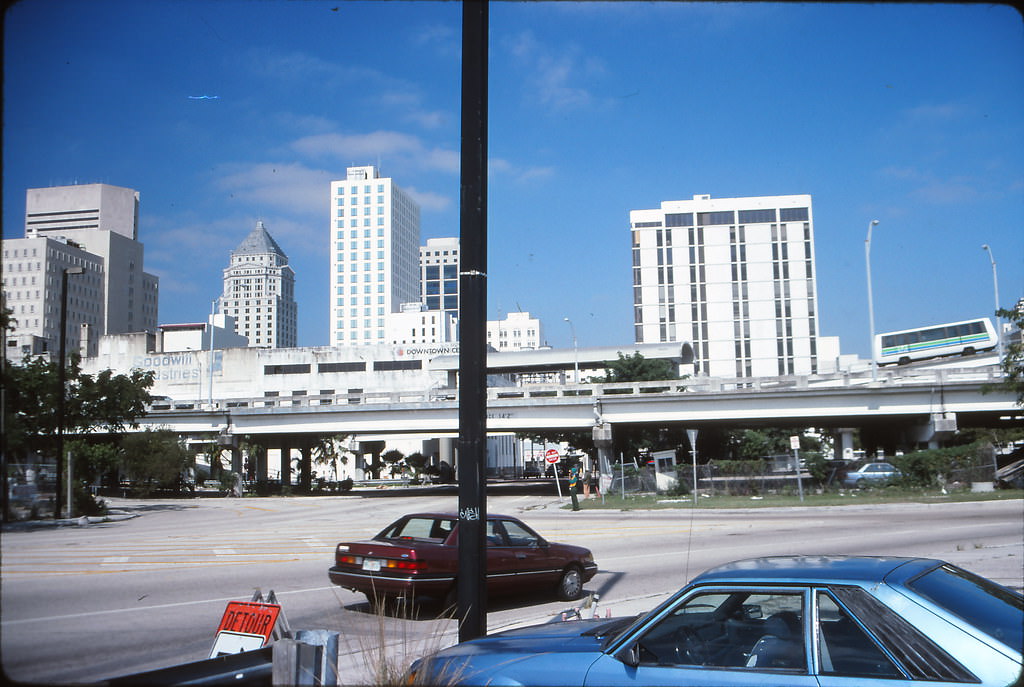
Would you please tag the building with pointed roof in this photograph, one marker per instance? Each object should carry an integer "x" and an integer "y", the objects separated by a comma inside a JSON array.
[{"x": 259, "y": 292}]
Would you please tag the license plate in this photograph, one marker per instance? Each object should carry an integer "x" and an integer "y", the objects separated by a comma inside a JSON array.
[{"x": 371, "y": 565}]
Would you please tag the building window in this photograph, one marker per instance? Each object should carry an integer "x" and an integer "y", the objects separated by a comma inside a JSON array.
[
  {"x": 711, "y": 218},
  {"x": 757, "y": 216},
  {"x": 793, "y": 215}
]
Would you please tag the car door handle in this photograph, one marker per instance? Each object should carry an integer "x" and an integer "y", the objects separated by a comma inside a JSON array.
[{"x": 521, "y": 556}]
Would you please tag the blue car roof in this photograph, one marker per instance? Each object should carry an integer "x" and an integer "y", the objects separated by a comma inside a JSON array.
[{"x": 817, "y": 569}]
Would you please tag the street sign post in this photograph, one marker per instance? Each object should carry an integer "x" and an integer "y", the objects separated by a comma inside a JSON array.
[
  {"x": 551, "y": 457},
  {"x": 794, "y": 443},
  {"x": 692, "y": 436}
]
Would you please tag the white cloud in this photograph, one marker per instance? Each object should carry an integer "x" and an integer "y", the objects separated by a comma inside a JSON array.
[
  {"x": 500, "y": 166},
  {"x": 428, "y": 200},
  {"x": 390, "y": 146},
  {"x": 934, "y": 189},
  {"x": 941, "y": 112},
  {"x": 290, "y": 186},
  {"x": 553, "y": 77}
]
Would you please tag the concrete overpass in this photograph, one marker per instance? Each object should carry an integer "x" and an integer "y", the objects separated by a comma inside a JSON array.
[{"x": 929, "y": 402}]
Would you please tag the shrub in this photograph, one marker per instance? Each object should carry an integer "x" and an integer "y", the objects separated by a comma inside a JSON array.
[{"x": 923, "y": 468}]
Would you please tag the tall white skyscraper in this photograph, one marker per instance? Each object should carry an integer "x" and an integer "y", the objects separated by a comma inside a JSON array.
[
  {"x": 375, "y": 243},
  {"x": 95, "y": 226},
  {"x": 733, "y": 276},
  {"x": 259, "y": 292}
]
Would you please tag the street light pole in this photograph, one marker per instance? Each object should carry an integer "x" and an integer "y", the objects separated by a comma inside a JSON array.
[
  {"x": 575, "y": 351},
  {"x": 61, "y": 381},
  {"x": 871, "y": 304},
  {"x": 995, "y": 285}
]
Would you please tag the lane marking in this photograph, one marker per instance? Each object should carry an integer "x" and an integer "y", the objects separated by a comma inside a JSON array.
[{"x": 179, "y": 604}]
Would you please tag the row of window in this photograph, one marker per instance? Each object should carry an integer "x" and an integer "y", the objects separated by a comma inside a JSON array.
[
  {"x": 449, "y": 271},
  {"x": 354, "y": 200},
  {"x": 354, "y": 189},
  {"x": 367, "y": 336},
  {"x": 761, "y": 216},
  {"x": 355, "y": 223},
  {"x": 355, "y": 211}
]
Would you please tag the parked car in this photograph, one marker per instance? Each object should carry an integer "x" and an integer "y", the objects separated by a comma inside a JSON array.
[
  {"x": 871, "y": 473},
  {"x": 818, "y": 621},
  {"x": 417, "y": 555}
]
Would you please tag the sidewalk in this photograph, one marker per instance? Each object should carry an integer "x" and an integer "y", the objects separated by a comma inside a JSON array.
[{"x": 82, "y": 521}]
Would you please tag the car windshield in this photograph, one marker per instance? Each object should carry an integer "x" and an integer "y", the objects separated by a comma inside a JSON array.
[
  {"x": 424, "y": 528},
  {"x": 993, "y": 609}
]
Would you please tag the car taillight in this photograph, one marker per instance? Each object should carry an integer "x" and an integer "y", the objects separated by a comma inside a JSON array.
[
  {"x": 404, "y": 564},
  {"x": 348, "y": 559}
]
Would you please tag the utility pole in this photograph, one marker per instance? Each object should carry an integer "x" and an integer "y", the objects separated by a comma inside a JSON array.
[
  {"x": 472, "y": 460},
  {"x": 62, "y": 365}
]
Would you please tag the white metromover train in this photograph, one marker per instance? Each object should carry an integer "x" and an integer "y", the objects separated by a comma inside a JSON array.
[{"x": 956, "y": 338}]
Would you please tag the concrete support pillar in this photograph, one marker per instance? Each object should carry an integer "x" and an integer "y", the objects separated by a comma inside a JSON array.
[
  {"x": 236, "y": 460},
  {"x": 602, "y": 434},
  {"x": 306, "y": 468},
  {"x": 261, "y": 464},
  {"x": 373, "y": 449},
  {"x": 286, "y": 462},
  {"x": 447, "y": 454},
  {"x": 842, "y": 443}
]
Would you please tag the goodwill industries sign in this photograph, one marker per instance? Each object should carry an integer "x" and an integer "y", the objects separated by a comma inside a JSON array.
[{"x": 185, "y": 366}]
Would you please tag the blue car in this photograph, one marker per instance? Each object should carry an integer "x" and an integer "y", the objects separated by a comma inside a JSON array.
[{"x": 822, "y": 621}]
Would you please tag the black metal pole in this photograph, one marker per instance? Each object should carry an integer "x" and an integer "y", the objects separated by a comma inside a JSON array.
[
  {"x": 472, "y": 577},
  {"x": 61, "y": 374},
  {"x": 61, "y": 378}
]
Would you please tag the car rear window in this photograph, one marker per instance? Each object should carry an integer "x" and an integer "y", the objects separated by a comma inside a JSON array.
[
  {"x": 431, "y": 529},
  {"x": 993, "y": 609}
]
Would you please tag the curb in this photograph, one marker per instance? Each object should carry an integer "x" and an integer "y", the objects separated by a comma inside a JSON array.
[{"x": 83, "y": 521}]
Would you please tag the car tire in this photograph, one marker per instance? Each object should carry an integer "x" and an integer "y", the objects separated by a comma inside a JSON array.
[
  {"x": 570, "y": 584},
  {"x": 861, "y": 483}
]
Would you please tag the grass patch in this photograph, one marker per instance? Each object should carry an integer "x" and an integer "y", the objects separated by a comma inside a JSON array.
[{"x": 848, "y": 497}]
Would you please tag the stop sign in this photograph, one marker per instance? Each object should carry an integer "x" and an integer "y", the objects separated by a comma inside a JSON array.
[{"x": 551, "y": 456}]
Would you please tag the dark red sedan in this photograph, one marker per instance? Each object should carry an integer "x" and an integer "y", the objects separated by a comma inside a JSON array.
[{"x": 417, "y": 555}]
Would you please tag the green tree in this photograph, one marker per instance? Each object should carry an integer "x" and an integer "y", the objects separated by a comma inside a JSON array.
[
  {"x": 326, "y": 452},
  {"x": 154, "y": 459},
  {"x": 637, "y": 368},
  {"x": 395, "y": 461},
  {"x": 102, "y": 404},
  {"x": 1013, "y": 358}
]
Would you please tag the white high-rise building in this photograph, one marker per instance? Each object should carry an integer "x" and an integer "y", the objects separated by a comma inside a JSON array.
[
  {"x": 375, "y": 241},
  {"x": 94, "y": 226},
  {"x": 733, "y": 276},
  {"x": 439, "y": 275},
  {"x": 259, "y": 292},
  {"x": 32, "y": 273},
  {"x": 417, "y": 325},
  {"x": 517, "y": 332}
]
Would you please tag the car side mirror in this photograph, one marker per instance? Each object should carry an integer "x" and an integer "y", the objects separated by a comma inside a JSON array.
[{"x": 629, "y": 654}]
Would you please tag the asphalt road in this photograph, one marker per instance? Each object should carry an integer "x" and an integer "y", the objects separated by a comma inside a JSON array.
[{"x": 88, "y": 603}]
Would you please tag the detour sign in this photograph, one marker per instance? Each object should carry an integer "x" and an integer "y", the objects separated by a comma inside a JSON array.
[{"x": 246, "y": 625}]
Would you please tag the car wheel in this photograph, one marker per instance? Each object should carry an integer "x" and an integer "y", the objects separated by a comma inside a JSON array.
[
  {"x": 570, "y": 584},
  {"x": 861, "y": 483}
]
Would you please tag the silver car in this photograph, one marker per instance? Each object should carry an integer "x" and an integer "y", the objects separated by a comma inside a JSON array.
[{"x": 871, "y": 473}]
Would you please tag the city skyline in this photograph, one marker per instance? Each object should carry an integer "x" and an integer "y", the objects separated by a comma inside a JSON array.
[{"x": 237, "y": 112}]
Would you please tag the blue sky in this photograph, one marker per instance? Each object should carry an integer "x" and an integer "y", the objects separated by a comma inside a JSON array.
[{"x": 909, "y": 114}]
